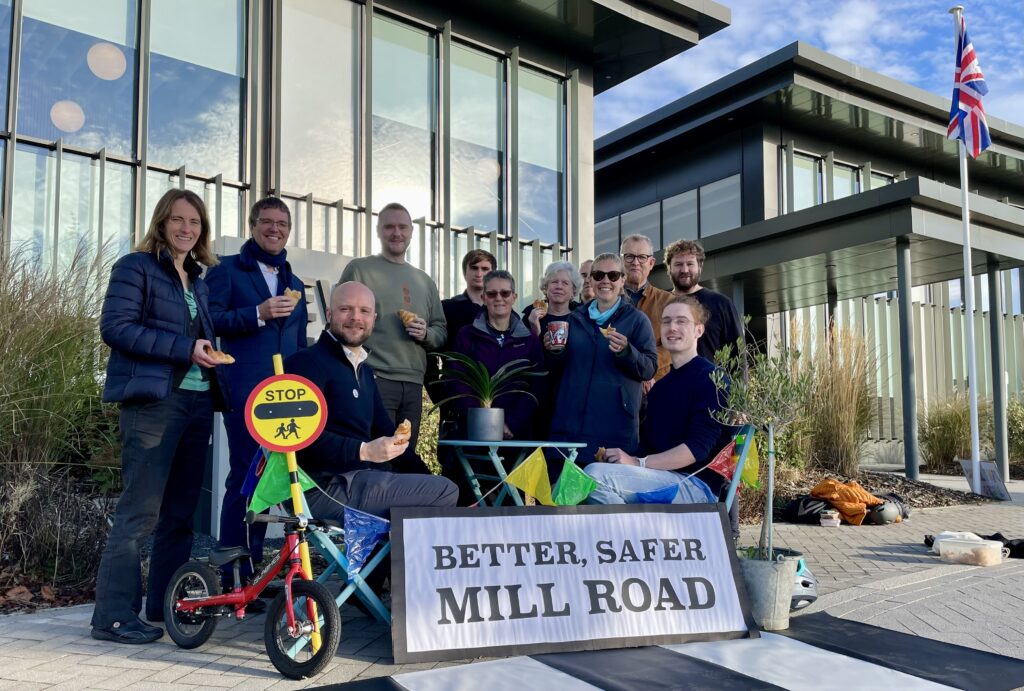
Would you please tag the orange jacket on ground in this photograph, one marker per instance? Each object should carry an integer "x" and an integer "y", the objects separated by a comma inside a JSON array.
[{"x": 850, "y": 499}]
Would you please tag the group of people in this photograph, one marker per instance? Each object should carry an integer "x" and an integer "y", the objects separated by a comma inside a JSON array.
[{"x": 628, "y": 374}]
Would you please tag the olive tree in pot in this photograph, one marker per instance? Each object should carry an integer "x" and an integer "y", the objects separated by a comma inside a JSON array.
[
  {"x": 770, "y": 392},
  {"x": 469, "y": 378}
]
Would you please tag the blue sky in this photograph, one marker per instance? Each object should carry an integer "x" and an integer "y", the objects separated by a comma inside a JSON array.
[{"x": 910, "y": 40}]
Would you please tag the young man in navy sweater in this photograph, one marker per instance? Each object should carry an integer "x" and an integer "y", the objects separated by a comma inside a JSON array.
[
  {"x": 680, "y": 436},
  {"x": 350, "y": 460}
]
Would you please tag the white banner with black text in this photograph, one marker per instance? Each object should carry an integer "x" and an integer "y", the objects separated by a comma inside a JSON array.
[{"x": 524, "y": 580}]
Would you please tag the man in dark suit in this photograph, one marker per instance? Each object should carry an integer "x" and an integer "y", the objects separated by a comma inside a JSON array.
[{"x": 254, "y": 319}]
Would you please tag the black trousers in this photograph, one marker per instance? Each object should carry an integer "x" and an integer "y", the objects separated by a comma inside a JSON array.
[
  {"x": 379, "y": 491},
  {"x": 404, "y": 401},
  {"x": 163, "y": 456}
]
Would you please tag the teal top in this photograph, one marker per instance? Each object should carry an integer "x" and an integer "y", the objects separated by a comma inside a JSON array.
[{"x": 193, "y": 380}]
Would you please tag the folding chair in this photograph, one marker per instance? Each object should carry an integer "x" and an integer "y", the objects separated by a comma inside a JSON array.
[
  {"x": 337, "y": 561},
  {"x": 747, "y": 432}
]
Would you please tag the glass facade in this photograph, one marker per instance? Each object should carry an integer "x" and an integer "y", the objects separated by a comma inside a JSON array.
[
  {"x": 720, "y": 206},
  {"x": 342, "y": 111},
  {"x": 679, "y": 218},
  {"x": 806, "y": 182}
]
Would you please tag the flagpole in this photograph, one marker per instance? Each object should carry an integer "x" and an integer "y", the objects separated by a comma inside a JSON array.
[{"x": 972, "y": 368}]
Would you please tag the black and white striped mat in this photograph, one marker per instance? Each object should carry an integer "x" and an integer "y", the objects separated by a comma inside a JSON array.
[{"x": 818, "y": 652}]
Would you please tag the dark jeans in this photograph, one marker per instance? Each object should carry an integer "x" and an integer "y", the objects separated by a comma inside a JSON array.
[
  {"x": 379, "y": 491},
  {"x": 404, "y": 401},
  {"x": 163, "y": 456},
  {"x": 233, "y": 530}
]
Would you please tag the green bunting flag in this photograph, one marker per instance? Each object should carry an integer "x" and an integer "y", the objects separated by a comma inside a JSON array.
[
  {"x": 573, "y": 485},
  {"x": 274, "y": 486}
]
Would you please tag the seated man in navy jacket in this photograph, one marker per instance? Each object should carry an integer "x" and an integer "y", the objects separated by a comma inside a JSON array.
[
  {"x": 254, "y": 320},
  {"x": 350, "y": 459}
]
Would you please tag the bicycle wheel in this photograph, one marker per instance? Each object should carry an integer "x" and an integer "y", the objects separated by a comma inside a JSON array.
[
  {"x": 293, "y": 655},
  {"x": 191, "y": 629}
]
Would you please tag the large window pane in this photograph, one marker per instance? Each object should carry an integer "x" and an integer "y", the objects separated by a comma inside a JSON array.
[
  {"x": 844, "y": 181},
  {"x": 806, "y": 185},
  {"x": 477, "y": 136},
  {"x": 5, "y": 56},
  {"x": 156, "y": 184},
  {"x": 195, "y": 94},
  {"x": 404, "y": 116},
  {"x": 720, "y": 207},
  {"x": 32, "y": 205},
  {"x": 880, "y": 180},
  {"x": 606, "y": 236},
  {"x": 78, "y": 72},
  {"x": 541, "y": 158},
  {"x": 78, "y": 229},
  {"x": 679, "y": 217},
  {"x": 319, "y": 104},
  {"x": 643, "y": 221},
  {"x": 118, "y": 222}
]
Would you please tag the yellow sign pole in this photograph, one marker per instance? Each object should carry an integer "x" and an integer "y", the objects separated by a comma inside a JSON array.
[{"x": 299, "y": 508}]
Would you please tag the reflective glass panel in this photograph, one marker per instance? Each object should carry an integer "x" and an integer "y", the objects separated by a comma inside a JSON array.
[
  {"x": 78, "y": 226},
  {"x": 156, "y": 184},
  {"x": 229, "y": 216},
  {"x": 118, "y": 221},
  {"x": 643, "y": 221},
  {"x": 844, "y": 181},
  {"x": 197, "y": 66},
  {"x": 880, "y": 180},
  {"x": 77, "y": 79},
  {"x": 606, "y": 236},
  {"x": 541, "y": 158},
  {"x": 477, "y": 139},
  {"x": 320, "y": 97},
  {"x": 404, "y": 117},
  {"x": 679, "y": 217},
  {"x": 806, "y": 185},
  {"x": 720, "y": 207},
  {"x": 32, "y": 205},
  {"x": 5, "y": 56}
]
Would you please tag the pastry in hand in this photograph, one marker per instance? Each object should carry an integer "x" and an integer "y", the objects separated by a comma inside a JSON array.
[
  {"x": 408, "y": 317},
  {"x": 403, "y": 432},
  {"x": 600, "y": 455},
  {"x": 539, "y": 304},
  {"x": 219, "y": 356},
  {"x": 607, "y": 331},
  {"x": 295, "y": 295}
]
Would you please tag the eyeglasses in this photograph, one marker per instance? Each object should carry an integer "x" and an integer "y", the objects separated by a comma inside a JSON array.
[
  {"x": 493, "y": 294},
  {"x": 612, "y": 275},
  {"x": 641, "y": 258},
  {"x": 267, "y": 223}
]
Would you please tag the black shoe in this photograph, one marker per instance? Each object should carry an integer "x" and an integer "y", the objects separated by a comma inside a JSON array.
[{"x": 133, "y": 632}]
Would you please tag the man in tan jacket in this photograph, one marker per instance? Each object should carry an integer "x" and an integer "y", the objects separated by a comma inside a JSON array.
[{"x": 638, "y": 260}]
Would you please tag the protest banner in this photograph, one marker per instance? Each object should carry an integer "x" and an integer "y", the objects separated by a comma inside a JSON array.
[{"x": 526, "y": 580}]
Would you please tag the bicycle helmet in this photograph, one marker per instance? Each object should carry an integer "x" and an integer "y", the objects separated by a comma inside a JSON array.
[
  {"x": 883, "y": 514},
  {"x": 805, "y": 587}
]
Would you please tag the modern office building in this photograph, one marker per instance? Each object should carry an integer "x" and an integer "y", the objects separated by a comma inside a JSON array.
[
  {"x": 820, "y": 189},
  {"x": 474, "y": 114}
]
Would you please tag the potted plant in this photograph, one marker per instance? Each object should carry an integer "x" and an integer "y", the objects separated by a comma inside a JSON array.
[
  {"x": 770, "y": 393},
  {"x": 472, "y": 380}
]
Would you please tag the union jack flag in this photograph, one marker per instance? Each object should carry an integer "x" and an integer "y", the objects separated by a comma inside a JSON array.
[{"x": 967, "y": 116}]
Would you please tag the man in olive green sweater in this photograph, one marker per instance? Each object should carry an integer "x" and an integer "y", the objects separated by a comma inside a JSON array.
[{"x": 398, "y": 350}]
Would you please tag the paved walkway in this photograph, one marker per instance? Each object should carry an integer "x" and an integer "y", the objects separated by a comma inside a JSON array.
[{"x": 882, "y": 575}]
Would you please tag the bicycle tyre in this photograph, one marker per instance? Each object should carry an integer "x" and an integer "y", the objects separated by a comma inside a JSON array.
[
  {"x": 302, "y": 662},
  {"x": 190, "y": 629}
]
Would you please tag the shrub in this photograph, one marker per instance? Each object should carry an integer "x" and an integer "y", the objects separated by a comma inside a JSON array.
[
  {"x": 840, "y": 411},
  {"x": 944, "y": 432},
  {"x": 426, "y": 444},
  {"x": 1015, "y": 428}
]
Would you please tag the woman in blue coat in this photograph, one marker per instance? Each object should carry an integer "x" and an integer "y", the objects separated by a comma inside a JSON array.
[
  {"x": 609, "y": 354},
  {"x": 156, "y": 321}
]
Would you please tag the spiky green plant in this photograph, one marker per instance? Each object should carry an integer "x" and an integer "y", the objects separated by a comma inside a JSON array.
[{"x": 484, "y": 386}]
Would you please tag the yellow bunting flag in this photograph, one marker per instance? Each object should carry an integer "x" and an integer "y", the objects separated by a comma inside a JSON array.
[
  {"x": 531, "y": 476},
  {"x": 751, "y": 468}
]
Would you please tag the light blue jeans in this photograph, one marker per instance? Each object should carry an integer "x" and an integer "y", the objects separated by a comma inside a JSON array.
[{"x": 619, "y": 484}]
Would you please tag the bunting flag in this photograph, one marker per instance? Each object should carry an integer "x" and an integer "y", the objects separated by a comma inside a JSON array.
[
  {"x": 752, "y": 467},
  {"x": 531, "y": 476},
  {"x": 664, "y": 495},
  {"x": 275, "y": 485},
  {"x": 256, "y": 467},
  {"x": 573, "y": 485},
  {"x": 362, "y": 533}
]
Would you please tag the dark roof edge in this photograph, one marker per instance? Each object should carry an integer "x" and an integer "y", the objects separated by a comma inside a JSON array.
[{"x": 807, "y": 58}]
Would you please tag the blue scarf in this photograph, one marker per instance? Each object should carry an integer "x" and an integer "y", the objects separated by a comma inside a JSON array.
[
  {"x": 252, "y": 253},
  {"x": 602, "y": 317}
]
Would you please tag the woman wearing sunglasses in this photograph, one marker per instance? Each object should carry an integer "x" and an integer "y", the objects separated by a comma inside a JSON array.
[
  {"x": 498, "y": 336},
  {"x": 609, "y": 354}
]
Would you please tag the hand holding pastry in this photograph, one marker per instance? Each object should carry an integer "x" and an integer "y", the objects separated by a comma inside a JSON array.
[
  {"x": 218, "y": 356},
  {"x": 200, "y": 356},
  {"x": 294, "y": 295},
  {"x": 277, "y": 306},
  {"x": 617, "y": 342},
  {"x": 403, "y": 432}
]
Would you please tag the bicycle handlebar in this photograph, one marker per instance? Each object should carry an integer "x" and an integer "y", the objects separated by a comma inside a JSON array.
[{"x": 301, "y": 521}]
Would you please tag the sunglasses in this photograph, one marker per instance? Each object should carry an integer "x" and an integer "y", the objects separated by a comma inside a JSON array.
[
  {"x": 612, "y": 275},
  {"x": 492, "y": 294}
]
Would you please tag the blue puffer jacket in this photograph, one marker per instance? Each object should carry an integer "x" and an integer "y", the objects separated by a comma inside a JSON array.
[
  {"x": 145, "y": 323},
  {"x": 599, "y": 394}
]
